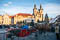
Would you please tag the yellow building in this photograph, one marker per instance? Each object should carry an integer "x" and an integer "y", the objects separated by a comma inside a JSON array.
[
  {"x": 1, "y": 20},
  {"x": 21, "y": 17},
  {"x": 6, "y": 19},
  {"x": 38, "y": 14}
]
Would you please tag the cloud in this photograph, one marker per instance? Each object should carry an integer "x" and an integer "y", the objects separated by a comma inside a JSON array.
[
  {"x": 15, "y": 10},
  {"x": 7, "y": 4},
  {"x": 52, "y": 9}
]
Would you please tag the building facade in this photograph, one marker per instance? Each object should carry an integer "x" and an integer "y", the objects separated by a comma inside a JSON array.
[
  {"x": 37, "y": 15},
  {"x": 21, "y": 17},
  {"x": 1, "y": 20},
  {"x": 6, "y": 19}
]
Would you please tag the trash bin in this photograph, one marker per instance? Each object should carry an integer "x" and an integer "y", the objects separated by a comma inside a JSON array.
[{"x": 3, "y": 34}]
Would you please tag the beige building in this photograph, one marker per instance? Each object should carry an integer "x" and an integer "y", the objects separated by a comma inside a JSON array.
[
  {"x": 1, "y": 20},
  {"x": 21, "y": 16},
  {"x": 38, "y": 14},
  {"x": 6, "y": 19}
]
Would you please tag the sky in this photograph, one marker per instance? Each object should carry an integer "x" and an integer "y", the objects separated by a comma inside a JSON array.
[{"x": 12, "y": 7}]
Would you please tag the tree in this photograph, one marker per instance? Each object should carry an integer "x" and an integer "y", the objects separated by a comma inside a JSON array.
[{"x": 46, "y": 18}]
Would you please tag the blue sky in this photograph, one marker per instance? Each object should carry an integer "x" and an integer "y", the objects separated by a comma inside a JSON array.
[{"x": 11, "y": 7}]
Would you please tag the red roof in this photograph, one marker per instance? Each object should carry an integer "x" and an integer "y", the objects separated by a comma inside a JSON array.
[
  {"x": 24, "y": 14},
  {"x": 11, "y": 16}
]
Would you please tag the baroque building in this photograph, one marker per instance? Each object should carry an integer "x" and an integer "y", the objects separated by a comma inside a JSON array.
[
  {"x": 1, "y": 19},
  {"x": 21, "y": 17},
  {"x": 6, "y": 19},
  {"x": 38, "y": 14}
]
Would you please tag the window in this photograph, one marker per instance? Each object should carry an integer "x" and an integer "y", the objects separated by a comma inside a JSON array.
[{"x": 58, "y": 20}]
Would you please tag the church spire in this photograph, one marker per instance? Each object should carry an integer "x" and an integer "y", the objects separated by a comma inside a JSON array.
[
  {"x": 34, "y": 6},
  {"x": 41, "y": 6}
]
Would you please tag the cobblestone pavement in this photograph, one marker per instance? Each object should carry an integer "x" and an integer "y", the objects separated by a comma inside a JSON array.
[{"x": 37, "y": 36}]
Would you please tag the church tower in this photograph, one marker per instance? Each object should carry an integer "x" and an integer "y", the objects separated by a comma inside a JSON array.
[
  {"x": 35, "y": 13},
  {"x": 35, "y": 10},
  {"x": 41, "y": 13},
  {"x": 38, "y": 14}
]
